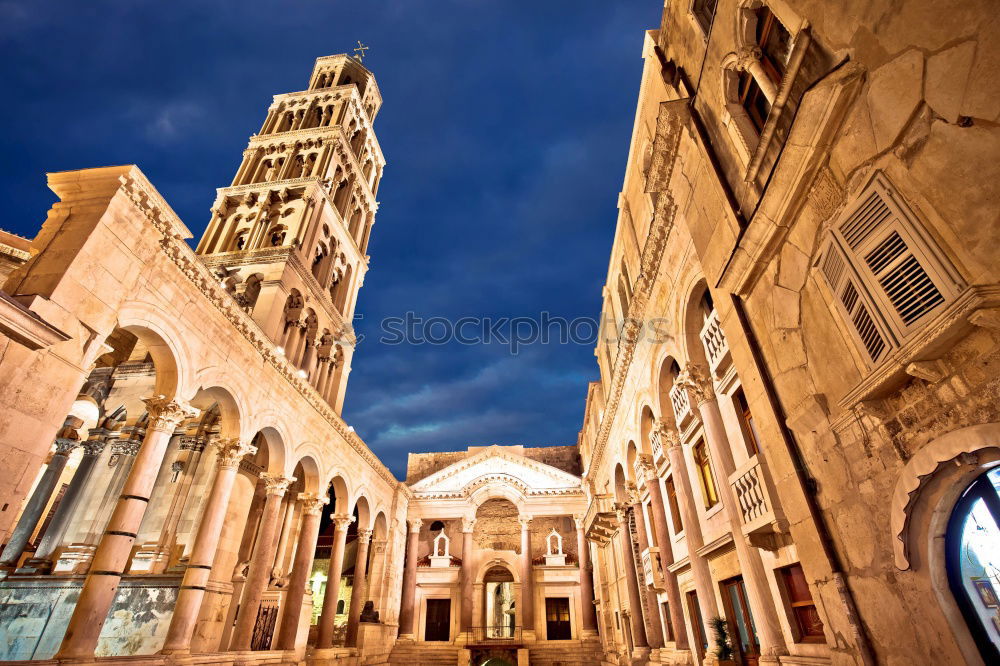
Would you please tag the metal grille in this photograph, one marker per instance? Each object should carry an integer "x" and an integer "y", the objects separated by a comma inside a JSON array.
[{"x": 868, "y": 218}]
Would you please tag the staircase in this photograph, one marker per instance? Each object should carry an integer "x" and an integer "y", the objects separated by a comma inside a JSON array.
[
  {"x": 424, "y": 654},
  {"x": 586, "y": 652}
]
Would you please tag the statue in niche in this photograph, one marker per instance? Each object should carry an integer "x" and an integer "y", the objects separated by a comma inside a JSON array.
[{"x": 368, "y": 613}]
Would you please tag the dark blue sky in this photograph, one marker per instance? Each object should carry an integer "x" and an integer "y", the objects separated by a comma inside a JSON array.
[{"x": 505, "y": 127}]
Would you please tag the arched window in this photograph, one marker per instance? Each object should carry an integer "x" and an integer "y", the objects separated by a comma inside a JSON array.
[
  {"x": 340, "y": 607},
  {"x": 436, "y": 526},
  {"x": 973, "y": 561},
  {"x": 706, "y": 305}
]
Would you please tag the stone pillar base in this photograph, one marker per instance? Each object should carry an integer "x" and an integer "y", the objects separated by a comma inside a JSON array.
[
  {"x": 464, "y": 657},
  {"x": 522, "y": 657}
]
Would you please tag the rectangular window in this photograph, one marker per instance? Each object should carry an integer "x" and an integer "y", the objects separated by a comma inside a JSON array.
[
  {"x": 700, "y": 638},
  {"x": 806, "y": 624},
  {"x": 883, "y": 272},
  {"x": 775, "y": 44},
  {"x": 753, "y": 101},
  {"x": 675, "y": 510},
  {"x": 704, "y": 12},
  {"x": 668, "y": 625},
  {"x": 747, "y": 424},
  {"x": 651, "y": 525},
  {"x": 704, "y": 468}
]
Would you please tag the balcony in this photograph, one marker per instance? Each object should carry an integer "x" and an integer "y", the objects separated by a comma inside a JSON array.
[
  {"x": 682, "y": 404},
  {"x": 652, "y": 566},
  {"x": 601, "y": 521},
  {"x": 716, "y": 346},
  {"x": 763, "y": 522},
  {"x": 502, "y": 634}
]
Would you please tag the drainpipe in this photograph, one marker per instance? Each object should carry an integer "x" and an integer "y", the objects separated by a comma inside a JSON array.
[{"x": 808, "y": 487}]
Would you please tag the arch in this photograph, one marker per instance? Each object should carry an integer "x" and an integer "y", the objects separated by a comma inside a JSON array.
[
  {"x": 620, "y": 484},
  {"x": 341, "y": 492},
  {"x": 631, "y": 455},
  {"x": 380, "y": 526},
  {"x": 508, "y": 562},
  {"x": 229, "y": 408},
  {"x": 363, "y": 509},
  {"x": 647, "y": 419},
  {"x": 165, "y": 344},
  {"x": 497, "y": 490},
  {"x": 694, "y": 320},
  {"x": 309, "y": 477},
  {"x": 275, "y": 449}
]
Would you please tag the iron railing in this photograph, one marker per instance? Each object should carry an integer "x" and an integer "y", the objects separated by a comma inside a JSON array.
[{"x": 502, "y": 634}]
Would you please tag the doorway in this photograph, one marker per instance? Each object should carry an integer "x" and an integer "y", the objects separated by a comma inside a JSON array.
[
  {"x": 438, "y": 624},
  {"x": 742, "y": 631},
  {"x": 501, "y": 620},
  {"x": 699, "y": 637},
  {"x": 557, "y": 626}
]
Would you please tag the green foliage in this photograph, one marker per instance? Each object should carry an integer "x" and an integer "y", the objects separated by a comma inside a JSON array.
[{"x": 723, "y": 648}]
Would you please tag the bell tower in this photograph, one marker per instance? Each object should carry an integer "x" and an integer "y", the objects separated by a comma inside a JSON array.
[{"x": 288, "y": 236}]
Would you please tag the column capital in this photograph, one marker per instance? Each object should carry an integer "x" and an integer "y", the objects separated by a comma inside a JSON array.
[
  {"x": 342, "y": 521},
  {"x": 468, "y": 524},
  {"x": 94, "y": 447},
  {"x": 667, "y": 434},
  {"x": 415, "y": 525},
  {"x": 64, "y": 445},
  {"x": 645, "y": 470},
  {"x": 525, "y": 521},
  {"x": 312, "y": 504},
  {"x": 364, "y": 536},
  {"x": 276, "y": 483},
  {"x": 747, "y": 57},
  {"x": 632, "y": 494},
  {"x": 231, "y": 451},
  {"x": 166, "y": 414},
  {"x": 697, "y": 382},
  {"x": 578, "y": 520}
]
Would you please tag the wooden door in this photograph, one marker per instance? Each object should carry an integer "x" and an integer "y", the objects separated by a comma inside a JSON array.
[
  {"x": 557, "y": 619},
  {"x": 438, "y": 625},
  {"x": 742, "y": 632},
  {"x": 700, "y": 638}
]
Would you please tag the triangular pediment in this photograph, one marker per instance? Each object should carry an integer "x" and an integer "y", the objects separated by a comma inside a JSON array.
[{"x": 496, "y": 463}]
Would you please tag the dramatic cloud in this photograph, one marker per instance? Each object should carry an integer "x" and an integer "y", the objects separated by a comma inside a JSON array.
[{"x": 505, "y": 127}]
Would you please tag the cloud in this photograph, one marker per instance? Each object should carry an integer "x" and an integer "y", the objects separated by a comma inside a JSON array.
[{"x": 170, "y": 120}]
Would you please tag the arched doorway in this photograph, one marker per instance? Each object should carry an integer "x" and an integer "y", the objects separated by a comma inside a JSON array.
[
  {"x": 498, "y": 588},
  {"x": 973, "y": 561}
]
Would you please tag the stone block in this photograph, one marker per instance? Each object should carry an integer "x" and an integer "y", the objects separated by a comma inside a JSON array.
[
  {"x": 894, "y": 92},
  {"x": 947, "y": 75}
]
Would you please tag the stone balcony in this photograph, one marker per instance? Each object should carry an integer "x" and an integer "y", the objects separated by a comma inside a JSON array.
[
  {"x": 601, "y": 521},
  {"x": 652, "y": 568},
  {"x": 716, "y": 346},
  {"x": 763, "y": 522},
  {"x": 682, "y": 404}
]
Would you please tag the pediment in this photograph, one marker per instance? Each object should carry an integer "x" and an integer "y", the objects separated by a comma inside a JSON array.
[{"x": 495, "y": 464}]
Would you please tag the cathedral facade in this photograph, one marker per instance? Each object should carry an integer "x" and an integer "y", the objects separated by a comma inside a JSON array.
[{"x": 791, "y": 456}]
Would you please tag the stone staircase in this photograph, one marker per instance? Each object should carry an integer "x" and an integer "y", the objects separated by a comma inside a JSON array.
[
  {"x": 423, "y": 654},
  {"x": 586, "y": 652}
]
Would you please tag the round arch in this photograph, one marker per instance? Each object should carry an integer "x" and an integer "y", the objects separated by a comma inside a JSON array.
[
  {"x": 341, "y": 492},
  {"x": 363, "y": 508},
  {"x": 497, "y": 490},
  {"x": 165, "y": 343},
  {"x": 310, "y": 475},
  {"x": 275, "y": 449},
  {"x": 229, "y": 408}
]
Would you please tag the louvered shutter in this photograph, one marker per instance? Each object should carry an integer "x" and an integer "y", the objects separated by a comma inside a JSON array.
[{"x": 855, "y": 308}]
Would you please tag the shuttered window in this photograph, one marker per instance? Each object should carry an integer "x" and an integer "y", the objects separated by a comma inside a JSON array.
[{"x": 886, "y": 275}]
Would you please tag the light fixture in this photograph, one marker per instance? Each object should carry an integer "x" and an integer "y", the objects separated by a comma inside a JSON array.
[
  {"x": 279, "y": 350},
  {"x": 302, "y": 374}
]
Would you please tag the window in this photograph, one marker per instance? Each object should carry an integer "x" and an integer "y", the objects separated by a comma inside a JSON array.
[
  {"x": 753, "y": 100},
  {"x": 704, "y": 12},
  {"x": 775, "y": 44},
  {"x": 747, "y": 423},
  {"x": 340, "y": 607},
  {"x": 652, "y": 528},
  {"x": 668, "y": 625},
  {"x": 675, "y": 510},
  {"x": 704, "y": 467},
  {"x": 884, "y": 275},
  {"x": 972, "y": 546},
  {"x": 806, "y": 623},
  {"x": 700, "y": 637}
]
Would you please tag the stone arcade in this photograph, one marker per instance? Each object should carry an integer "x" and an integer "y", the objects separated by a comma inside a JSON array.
[{"x": 791, "y": 456}]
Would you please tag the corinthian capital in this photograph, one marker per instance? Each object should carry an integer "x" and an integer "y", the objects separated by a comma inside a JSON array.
[
  {"x": 165, "y": 414},
  {"x": 645, "y": 470},
  {"x": 64, "y": 445},
  {"x": 415, "y": 525},
  {"x": 667, "y": 434},
  {"x": 694, "y": 378},
  {"x": 277, "y": 484},
  {"x": 525, "y": 522},
  {"x": 342, "y": 521},
  {"x": 364, "y": 536},
  {"x": 747, "y": 57},
  {"x": 312, "y": 504},
  {"x": 468, "y": 524},
  {"x": 231, "y": 451}
]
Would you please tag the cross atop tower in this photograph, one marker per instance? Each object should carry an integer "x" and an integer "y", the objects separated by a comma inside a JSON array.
[{"x": 359, "y": 52}]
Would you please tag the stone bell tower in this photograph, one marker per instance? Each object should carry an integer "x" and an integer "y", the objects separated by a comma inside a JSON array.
[{"x": 288, "y": 236}]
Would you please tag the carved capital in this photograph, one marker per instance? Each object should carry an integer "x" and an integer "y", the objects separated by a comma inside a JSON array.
[
  {"x": 415, "y": 525},
  {"x": 125, "y": 447},
  {"x": 94, "y": 447},
  {"x": 231, "y": 451},
  {"x": 312, "y": 504},
  {"x": 747, "y": 57},
  {"x": 468, "y": 524},
  {"x": 645, "y": 470},
  {"x": 364, "y": 536},
  {"x": 525, "y": 522},
  {"x": 165, "y": 414},
  {"x": 578, "y": 520},
  {"x": 276, "y": 484},
  {"x": 697, "y": 383},
  {"x": 632, "y": 494},
  {"x": 342, "y": 521},
  {"x": 64, "y": 445}
]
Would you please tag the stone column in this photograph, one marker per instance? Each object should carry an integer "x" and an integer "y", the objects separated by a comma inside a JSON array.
[
  {"x": 260, "y": 562},
  {"x": 39, "y": 499},
  {"x": 287, "y": 525},
  {"x": 199, "y": 567},
  {"x": 113, "y": 552},
  {"x": 527, "y": 584},
  {"x": 41, "y": 561},
  {"x": 702, "y": 394},
  {"x": 467, "y": 573},
  {"x": 589, "y": 619},
  {"x": 654, "y": 635},
  {"x": 409, "y": 592},
  {"x": 359, "y": 590},
  {"x": 632, "y": 579},
  {"x": 326, "y": 621},
  {"x": 312, "y": 511},
  {"x": 659, "y": 527}
]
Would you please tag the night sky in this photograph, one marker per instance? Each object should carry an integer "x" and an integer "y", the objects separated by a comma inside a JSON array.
[{"x": 505, "y": 126}]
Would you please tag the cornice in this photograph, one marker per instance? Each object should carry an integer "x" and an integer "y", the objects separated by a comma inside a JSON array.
[
  {"x": 21, "y": 324},
  {"x": 670, "y": 122},
  {"x": 137, "y": 189}
]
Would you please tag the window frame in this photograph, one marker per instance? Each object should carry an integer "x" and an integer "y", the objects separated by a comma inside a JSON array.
[
  {"x": 791, "y": 604},
  {"x": 706, "y": 476},
  {"x": 751, "y": 436},
  {"x": 676, "y": 520}
]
